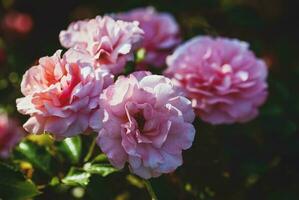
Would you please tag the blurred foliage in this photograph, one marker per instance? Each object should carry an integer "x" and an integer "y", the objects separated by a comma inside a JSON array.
[
  {"x": 258, "y": 160},
  {"x": 14, "y": 186}
]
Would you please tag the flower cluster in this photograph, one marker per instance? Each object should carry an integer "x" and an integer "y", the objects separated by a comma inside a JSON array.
[{"x": 143, "y": 120}]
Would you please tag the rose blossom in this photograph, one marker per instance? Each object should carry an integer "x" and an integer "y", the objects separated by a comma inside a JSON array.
[
  {"x": 110, "y": 42},
  {"x": 224, "y": 79},
  {"x": 146, "y": 123},
  {"x": 62, "y": 97},
  {"x": 10, "y": 135},
  {"x": 161, "y": 34}
]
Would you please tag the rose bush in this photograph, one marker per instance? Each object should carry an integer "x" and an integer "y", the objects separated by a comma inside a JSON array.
[{"x": 93, "y": 95}]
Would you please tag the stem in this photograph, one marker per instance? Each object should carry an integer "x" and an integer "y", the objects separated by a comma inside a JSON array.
[
  {"x": 90, "y": 151},
  {"x": 150, "y": 190}
]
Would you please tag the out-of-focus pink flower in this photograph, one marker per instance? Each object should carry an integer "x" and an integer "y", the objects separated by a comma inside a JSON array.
[
  {"x": 224, "y": 79},
  {"x": 62, "y": 97},
  {"x": 146, "y": 123},
  {"x": 110, "y": 42},
  {"x": 161, "y": 34},
  {"x": 17, "y": 22},
  {"x": 10, "y": 135}
]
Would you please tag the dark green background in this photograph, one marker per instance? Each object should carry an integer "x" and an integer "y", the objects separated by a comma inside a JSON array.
[{"x": 258, "y": 160}]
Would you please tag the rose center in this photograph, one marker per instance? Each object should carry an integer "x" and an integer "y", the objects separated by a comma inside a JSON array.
[{"x": 140, "y": 120}]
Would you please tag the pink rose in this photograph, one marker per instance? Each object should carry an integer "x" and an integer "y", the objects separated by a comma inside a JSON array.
[
  {"x": 109, "y": 42},
  {"x": 161, "y": 34},
  {"x": 146, "y": 123},
  {"x": 222, "y": 77},
  {"x": 62, "y": 97},
  {"x": 10, "y": 135}
]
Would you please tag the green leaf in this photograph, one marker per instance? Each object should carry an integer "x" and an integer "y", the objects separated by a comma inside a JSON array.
[
  {"x": 100, "y": 169},
  {"x": 37, "y": 155},
  {"x": 72, "y": 148},
  {"x": 100, "y": 158},
  {"x": 14, "y": 186},
  {"x": 54, "y": 181},
  {"x": 76, "y": 177}
]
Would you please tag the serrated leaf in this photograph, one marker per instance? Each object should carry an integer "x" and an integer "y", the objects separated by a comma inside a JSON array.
[
  {"x": 100, "y": 169},
  {"x": 14, "y": 186},
  {"x": 76, "y": 177},
  {"x": 72, "y": 148}
]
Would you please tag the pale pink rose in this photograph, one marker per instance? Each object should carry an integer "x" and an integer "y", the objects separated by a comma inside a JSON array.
[
  {"x": 146, "y": 123},
  {"x": 10, "y": 135},
  {"x": 161, "y": 34},
  {"x": 62, "y": 97},
  {"x": 222, "y": 77},
  {"x": 110, "y": 42}
]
